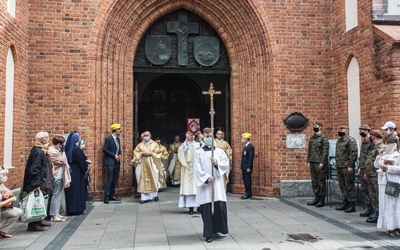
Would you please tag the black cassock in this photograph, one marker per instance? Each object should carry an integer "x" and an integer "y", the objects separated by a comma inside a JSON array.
[{"x": 214, "y": 223}]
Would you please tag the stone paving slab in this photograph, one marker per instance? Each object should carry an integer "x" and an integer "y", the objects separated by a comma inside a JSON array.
[{"x": 262, "y": 223}]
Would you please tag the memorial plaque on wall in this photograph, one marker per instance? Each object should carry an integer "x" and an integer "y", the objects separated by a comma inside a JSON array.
[
  {"x": 296, "y": 141},
  {"x": 296, "y": 122}
]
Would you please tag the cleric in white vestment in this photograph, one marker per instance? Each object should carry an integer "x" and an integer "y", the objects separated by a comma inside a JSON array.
[{"x": 210, "y": 171}]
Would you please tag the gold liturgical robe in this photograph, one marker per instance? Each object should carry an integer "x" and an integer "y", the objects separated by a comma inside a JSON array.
[
  {"x": 224, "y": 145},
  {"x": 161, "y": 164},
  {"x": 175, "y": 165},
  {"x": 148, "y": 180}
]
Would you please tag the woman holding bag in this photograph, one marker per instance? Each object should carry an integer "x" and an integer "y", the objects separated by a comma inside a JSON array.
[
  {"x": 59, "y": 161},
  {"x": 38, "y": 174},
  {"x": 388, "y": 164}
]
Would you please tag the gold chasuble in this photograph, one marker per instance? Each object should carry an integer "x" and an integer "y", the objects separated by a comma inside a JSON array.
[
  {"x": 148, "y": 180},
  {"x": 224, "y": 145},
  {"x": 175, "y": 165}
]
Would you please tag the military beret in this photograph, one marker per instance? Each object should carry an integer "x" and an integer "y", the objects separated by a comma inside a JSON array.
[
  {"x": 344, "y": 127},
  {"x": 317, "y": 123},
  {"x": 376, "y": 132},
  {"x": 365, "y": 126},
  {"x": 391, "y": 139}
]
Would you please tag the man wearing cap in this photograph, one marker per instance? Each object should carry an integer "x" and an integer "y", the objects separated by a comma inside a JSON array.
[
  {"x": 371, "y": 175},
  {"x": 346, "y": 156},
  {"x": 390, "y": 129},
  {"x": 112, "y": 158},
  {"x": 366, "y": 145},
  {"x": 246, "y": 164},
  {"x": 317, "y": 161}
]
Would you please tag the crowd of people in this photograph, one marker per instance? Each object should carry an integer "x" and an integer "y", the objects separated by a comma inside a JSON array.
[
  {"x": 199, "y": 166},
  {"x": 378, "y": 164},
  {"x": 57, "y": 169}
]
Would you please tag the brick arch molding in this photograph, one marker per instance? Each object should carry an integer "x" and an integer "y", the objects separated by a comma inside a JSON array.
[{"x": 242, "y": 26}]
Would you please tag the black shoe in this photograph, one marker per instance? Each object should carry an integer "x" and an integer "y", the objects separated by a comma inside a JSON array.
[
  {"x": 106, "y": 201},
  {"x": 114, "y": 199},
  {"x": 314, "y": 202},
  {"x": 35, "y": 228},
  {"x": 137, "y": 195},
  {"x": 351, "y": 208},
  {"x": 44, "y": 224},
  {"x": 191, "y": 211},
  {"x": 142, "y": 202},
  {"x": 321, "y": 202},
  {"x": 209, "y": 239},
  {"x": 344, "y": 205},
  {"x": 156, "y": 198},
  {"x": 246, "y": 196},
  {"x": 198, "y": 210},
  {"x": 373, "y": 218},
  {"x": 367, "y": 212}
]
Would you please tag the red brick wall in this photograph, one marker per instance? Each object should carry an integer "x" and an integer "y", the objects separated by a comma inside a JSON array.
[
  {"x": 76, "y": 70},
  {"x": 13, "y": 34},
  {"x": 378, "y": 65}
]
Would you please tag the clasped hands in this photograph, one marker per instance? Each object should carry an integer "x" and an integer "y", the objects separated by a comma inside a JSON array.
[{"x": 145, "y": 154}]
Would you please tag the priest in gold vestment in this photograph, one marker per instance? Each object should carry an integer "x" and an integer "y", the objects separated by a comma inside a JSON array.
[
  {"x": 224, "y": 145},
  {"x": 145, "y": 157},
  {"x": 161, "y": 164},
  {"x": 174, "y": 168}
]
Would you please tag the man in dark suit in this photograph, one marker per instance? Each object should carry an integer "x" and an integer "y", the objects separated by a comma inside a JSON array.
[
  {"x": 112, "y": 157},
  {"x": 247, "y": 164}
]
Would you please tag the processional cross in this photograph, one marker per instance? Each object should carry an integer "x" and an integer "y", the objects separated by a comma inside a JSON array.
[{"x": 212, "y": 92}]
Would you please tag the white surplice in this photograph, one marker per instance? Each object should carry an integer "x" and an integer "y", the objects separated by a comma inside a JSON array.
[{"x": 203, "y": 170}]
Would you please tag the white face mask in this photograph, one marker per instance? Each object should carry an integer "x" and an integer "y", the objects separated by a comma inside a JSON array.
[
  {"x": 3, "y": 179},
  {"x": 388, "y": 132},
  {"x": 146, "y": 138},
  {"x": 244, "y": 141},
  {"x": 390, "y": 148}
]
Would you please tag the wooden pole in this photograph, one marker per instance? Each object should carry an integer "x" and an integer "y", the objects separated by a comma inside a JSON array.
[{"x": 212, "y": 92}]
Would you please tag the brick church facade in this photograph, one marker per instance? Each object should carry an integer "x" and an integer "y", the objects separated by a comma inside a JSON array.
[{"x": 83, "y": 65}]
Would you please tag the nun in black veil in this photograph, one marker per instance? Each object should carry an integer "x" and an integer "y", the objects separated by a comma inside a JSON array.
[{"x": 76, "y": 194}]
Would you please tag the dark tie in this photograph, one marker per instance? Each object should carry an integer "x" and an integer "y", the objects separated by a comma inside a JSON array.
[{"x": 118, "y": 144}]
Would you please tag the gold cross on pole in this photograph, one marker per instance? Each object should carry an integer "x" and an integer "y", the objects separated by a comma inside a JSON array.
[{"x": 212, "y": 92}]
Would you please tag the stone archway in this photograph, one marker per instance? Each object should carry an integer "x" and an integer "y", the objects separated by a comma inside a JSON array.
[{"x": 116, "y": 34}]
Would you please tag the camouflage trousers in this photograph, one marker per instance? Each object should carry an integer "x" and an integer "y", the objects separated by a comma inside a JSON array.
[
  {"x": 346, "y": 184},
  {"x": 318, "y": 179},
  {"x": 373, "y": 191},
  {"x": 364, "y": 189}
]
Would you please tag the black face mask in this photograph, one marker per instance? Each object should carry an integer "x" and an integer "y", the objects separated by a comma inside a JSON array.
[
  {"x": 316, "y": 130},
  {"x": 341, "y": 133},
  {"x": 362, "y": 134}
]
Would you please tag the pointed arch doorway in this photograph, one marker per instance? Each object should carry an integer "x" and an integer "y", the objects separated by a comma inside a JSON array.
[{"x": 177, "y": 58}]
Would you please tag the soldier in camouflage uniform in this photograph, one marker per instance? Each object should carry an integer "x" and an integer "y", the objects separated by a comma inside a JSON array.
[
  {"x": 346, "y": 156},
  {"x": 371, "y": 175},
  {"x": 366, "y": 145},
  {"x": 317, "y": 161}
]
